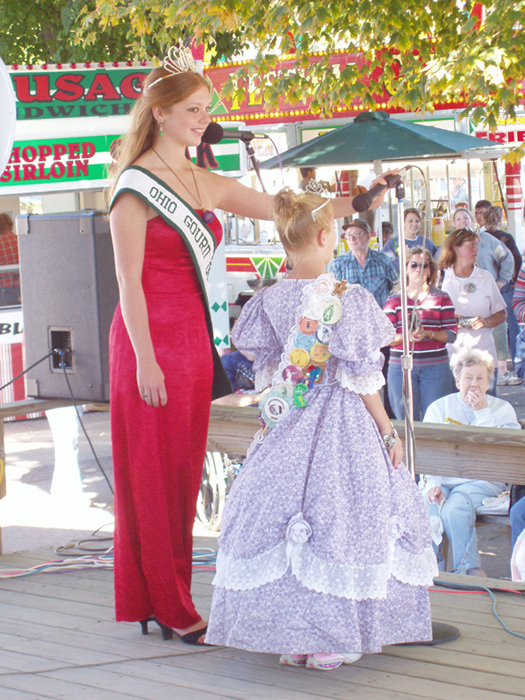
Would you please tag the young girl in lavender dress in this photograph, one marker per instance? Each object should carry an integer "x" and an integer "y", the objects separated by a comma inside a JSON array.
[{"x": 325, "y": 551}]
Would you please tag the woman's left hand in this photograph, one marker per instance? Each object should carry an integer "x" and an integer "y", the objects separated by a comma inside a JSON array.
[
  {"x": 419, "y": 334},
  {"x": 396, "y": 454},
  {"x": 476, "y": 399},
  {"x": 478, "y": 322}
]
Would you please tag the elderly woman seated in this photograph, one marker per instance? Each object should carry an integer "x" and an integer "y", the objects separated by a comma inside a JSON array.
[{"x": 452, "y": 502}]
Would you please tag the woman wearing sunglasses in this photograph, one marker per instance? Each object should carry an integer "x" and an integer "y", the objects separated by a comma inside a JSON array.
[{"x": 432, "y": 325}]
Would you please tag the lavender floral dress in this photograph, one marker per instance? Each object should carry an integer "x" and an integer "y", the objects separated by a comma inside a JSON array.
[{"x": 325, "y": 547}]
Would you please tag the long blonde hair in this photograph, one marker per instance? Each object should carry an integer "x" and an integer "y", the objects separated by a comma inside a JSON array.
[
  {"x": 296, "y": 219},
  {"x": 164, "y": 94}
]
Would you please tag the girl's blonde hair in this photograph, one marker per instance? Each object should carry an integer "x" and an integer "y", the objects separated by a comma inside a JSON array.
[
  {"x": 167, "y": 92},
  {"x": 299, "y": 217}
]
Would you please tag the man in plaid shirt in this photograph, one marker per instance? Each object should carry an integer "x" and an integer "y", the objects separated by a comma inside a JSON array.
[
  {"x": 372, "y": 270},
  {"x": 9, "y": 281}
]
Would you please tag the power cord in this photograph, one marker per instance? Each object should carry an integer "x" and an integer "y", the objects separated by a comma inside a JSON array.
[
  {"x": 27, "y": 370},
  {"x": 62, "y": 353},
  {"x": 475, "y": 589},
  {"x": 203, "y": 560}
]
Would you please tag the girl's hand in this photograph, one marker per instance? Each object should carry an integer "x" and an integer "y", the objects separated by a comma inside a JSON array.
[
  {"x": 396, "y": 454},
  {"x": 435, "y": 495},
  {"x": 150, "y": 381}
]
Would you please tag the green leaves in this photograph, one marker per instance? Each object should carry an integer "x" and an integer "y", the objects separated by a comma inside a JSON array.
[{"x": 421, "y": 53}]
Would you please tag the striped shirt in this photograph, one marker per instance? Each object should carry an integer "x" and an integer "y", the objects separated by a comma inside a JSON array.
[
  {"x": 436, "y": 313},
  {"x": 518, "y": 302}
]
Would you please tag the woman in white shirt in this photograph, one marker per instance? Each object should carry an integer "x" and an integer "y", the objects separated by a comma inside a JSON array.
[{"x": 475, "y": 295}]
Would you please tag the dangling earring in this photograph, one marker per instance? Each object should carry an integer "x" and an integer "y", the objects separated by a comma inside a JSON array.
[{"x": 160, "y": 127}]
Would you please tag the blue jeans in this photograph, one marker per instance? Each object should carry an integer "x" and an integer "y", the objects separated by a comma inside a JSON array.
[
  {"x": 517, "y": 519},
  {"x": 458, "y": 514},
  {"x": 429, "y": 383},
  {"x": 507, "y": 292}
]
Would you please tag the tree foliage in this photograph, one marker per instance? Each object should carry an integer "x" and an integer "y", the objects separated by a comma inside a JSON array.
[
  {"x": 411, "y": 53},
  {"x": 421, "y": 52},
  {"x": 44, "y": 31}
]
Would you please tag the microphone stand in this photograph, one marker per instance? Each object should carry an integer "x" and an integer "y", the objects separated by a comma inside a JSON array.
[
  {"x": 253, "y": 158},
  {"x": 441, "y": 631},
  {"x": 406, "y": 358}
]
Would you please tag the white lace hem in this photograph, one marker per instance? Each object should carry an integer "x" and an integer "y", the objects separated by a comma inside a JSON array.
[
  {"x": 339, "y": 580},
  {"x": 369, "y": 384}
]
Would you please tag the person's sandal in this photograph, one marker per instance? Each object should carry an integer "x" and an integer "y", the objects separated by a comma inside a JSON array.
[
  {"x": 297, "y": 660},
  {"x": 329, "y": 662}
]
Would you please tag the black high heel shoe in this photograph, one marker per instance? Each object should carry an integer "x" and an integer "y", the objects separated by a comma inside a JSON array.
[{"x": 167, "y": 632}]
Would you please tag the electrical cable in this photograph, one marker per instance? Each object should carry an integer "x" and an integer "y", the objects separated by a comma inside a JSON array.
[
  {"x": 474, "y": 588},
  {"x": 27, "y": 370},
  {"x": 203, "y": 560},
  {"x": 63, "y": 365}
]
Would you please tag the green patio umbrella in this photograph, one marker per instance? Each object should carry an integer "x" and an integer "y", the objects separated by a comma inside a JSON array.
[{"x": 376, "y": 136}]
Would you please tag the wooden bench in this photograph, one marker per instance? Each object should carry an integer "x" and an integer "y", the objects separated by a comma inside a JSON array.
[{"x": 493, "y": 454}]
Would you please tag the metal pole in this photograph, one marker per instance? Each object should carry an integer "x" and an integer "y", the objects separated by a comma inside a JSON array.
[{"x": 406, "y": 358}]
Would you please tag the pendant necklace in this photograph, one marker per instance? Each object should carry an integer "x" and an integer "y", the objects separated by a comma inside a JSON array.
[{"x": 207, "y": 215}]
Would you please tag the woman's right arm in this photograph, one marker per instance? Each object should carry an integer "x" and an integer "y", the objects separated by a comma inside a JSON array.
[{"x": 128, "y": 230}]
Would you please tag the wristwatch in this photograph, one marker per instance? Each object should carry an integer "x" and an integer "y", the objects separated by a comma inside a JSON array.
[{"x": 391, "y": 440}]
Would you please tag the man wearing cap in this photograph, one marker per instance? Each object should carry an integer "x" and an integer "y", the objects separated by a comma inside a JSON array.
[
  {"x": 362, "y": 265},
  {"x": 372, "y": 270}
]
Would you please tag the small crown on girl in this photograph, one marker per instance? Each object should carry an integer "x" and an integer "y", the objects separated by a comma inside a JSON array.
[
  {"x": 315, "y": 187},
  {"x": 178, "y": 60}
]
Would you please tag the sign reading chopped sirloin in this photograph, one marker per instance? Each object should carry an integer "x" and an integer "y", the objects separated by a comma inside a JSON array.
[
  {"x": 68, "y": 159},
  {"x": 39, "y": 161}
]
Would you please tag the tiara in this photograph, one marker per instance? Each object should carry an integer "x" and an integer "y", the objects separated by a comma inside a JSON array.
[
  {"x": 315, "y": 187},
  {"x": 177, "y": 61}
]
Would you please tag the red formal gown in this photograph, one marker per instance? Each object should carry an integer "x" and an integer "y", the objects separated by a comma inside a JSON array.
[{"x": 158, "y": 453}]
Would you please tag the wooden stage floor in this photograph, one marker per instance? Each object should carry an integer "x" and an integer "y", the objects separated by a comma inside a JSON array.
[{"x": 58, "y": 639}]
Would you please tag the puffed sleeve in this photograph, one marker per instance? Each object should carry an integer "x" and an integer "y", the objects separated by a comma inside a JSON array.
[
  {"x": 255, "y": 333},
  {"x": 357, "y": 339}
]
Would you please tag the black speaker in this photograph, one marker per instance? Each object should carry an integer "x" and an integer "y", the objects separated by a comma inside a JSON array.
[{"x": 69, "y": 294}]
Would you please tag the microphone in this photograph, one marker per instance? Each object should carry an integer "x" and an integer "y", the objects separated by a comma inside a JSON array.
[
  {"x": 215, "y": 133},
  {"x": 362, "y": 202}
]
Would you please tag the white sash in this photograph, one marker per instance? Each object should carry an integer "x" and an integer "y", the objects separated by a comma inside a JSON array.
[{"x": 198, "y": 238}]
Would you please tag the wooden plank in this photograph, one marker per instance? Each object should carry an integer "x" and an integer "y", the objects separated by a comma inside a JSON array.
[
  {"x": 20, "y": 408},
  {"x": 203, "y": 680},
  {"x": 134, "y": 686},
  {"x": 492, "y": 583},
  {"x": 27, "y": 663},
  {"x": 450, "y": 450},
  {"x": 57, "y": 653},
  {"x": 53, "y": 589},
  {"x": 243, "y": 670},
  {"x": 132, "y": 646},
  {"x": 9, "y": 694},
  {"x": 40, "y": 686},
  {"x": 354, "y": 678},
  {"x": 463, "y": 654}
]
